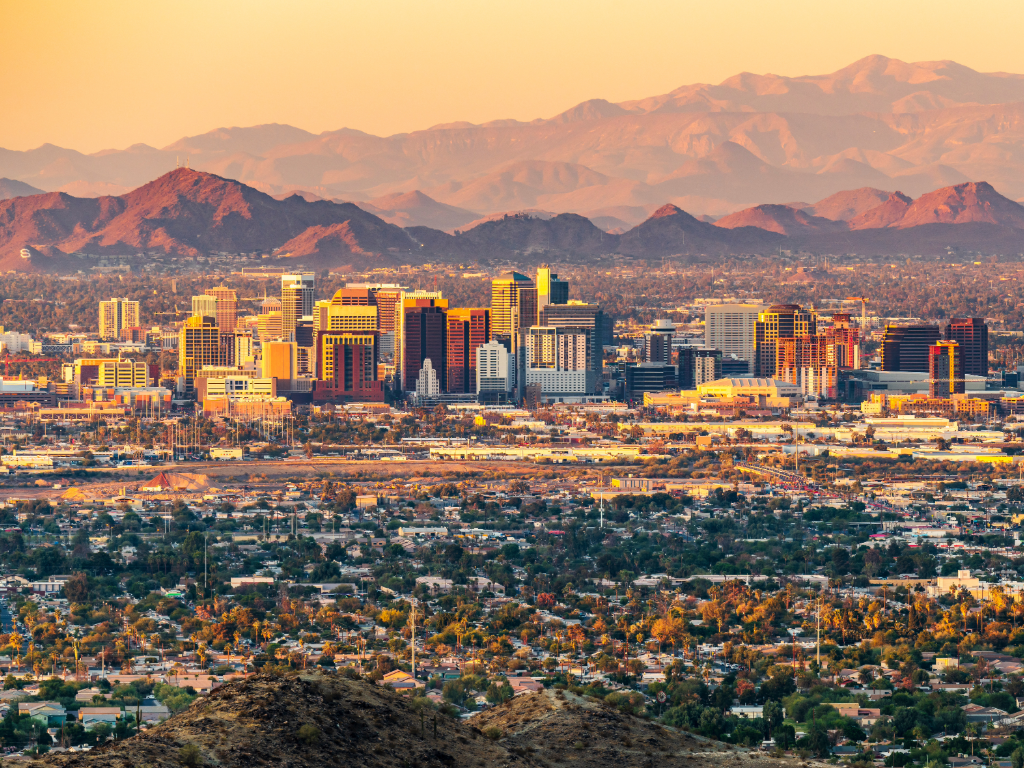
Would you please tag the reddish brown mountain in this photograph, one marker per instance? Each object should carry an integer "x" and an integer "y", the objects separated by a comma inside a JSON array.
[
  {"x": 671, "y": 230},
  {"x": 848, "y": 204},
  {"x": 781, "y": 219},
  {"x": 964, "y": 204},
  {"x": 187, "y": 212},
  {"x": 888, "y": 214}
]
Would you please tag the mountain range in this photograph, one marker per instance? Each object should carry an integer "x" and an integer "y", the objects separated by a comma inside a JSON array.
[
  {"x": 709, "y": 149},
  {"x": 191, "y": 213}
]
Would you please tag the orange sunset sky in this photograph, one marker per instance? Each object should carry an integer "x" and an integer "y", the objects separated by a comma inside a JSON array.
[{"x": 92, "y": 75}]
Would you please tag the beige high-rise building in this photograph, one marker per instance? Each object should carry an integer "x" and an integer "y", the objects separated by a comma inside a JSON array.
[
  {"x": 296, "y": 300},
  {"x": 227, "y": 307},
  {"x": 204, "y": 306},
  {"x": 730, "y": 328},
  {"x": 350, "y": 310},
  {"x": 116, "y": 315},
  {"x": 778, "y": 322},
  {"x": 513, "y": 304},
  {"x": 270, "y": 326},
  {"x": 123, "y": 373},
  {"x": 198, "y": 345}
]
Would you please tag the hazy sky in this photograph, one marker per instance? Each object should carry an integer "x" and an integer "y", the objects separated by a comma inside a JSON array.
[{"x": 94, "y": 74}]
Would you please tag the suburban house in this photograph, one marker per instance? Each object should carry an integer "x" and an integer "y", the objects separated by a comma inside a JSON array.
[
  {"x": 90, "y": 717},
  {"x": 863, "y": 715},
  {"x": 400, "y": 680},
  {"x": 154, "y": 713},
  {"x": 976, "y": 713},
  {"x": 50, "y": 714},
  {"x": 749, "y": 711},
  {"x": 524, "y": 685}
]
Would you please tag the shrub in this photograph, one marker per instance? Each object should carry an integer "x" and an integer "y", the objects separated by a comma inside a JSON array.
[
  {"x": 190, "y": 756},
  {"x": 309, "y": 734},
  {"x": 492, "y": 732}
]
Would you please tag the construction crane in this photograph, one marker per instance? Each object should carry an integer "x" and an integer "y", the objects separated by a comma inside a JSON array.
[
  {"x": 8, "y": 360},
  {"x": 175, "y": 313},
  {"x": 863, "y": 307}
]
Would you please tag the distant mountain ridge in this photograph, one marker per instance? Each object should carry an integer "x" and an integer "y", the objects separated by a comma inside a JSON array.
[
  {"x": 191, "y": 213},
  {"x": 753, "y": 139}
]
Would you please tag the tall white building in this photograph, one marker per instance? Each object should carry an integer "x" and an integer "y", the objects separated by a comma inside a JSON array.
[
  {"x": 730, "y": 328},
  {"x": 495, "y": 369},
  {"x": 427, "y": 384}
]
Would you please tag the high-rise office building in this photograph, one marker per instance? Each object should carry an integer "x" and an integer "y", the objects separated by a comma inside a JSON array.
[
  {"x": 648, "y": 377},
  {"x": 280, "y": 361},
  {"x": 513, "y": 304},
  {"x": 468, "y": 329},
  {"x": 589, "y": 318},
  {"x": 116, "y": 315},
  {"x": 971, "y": 333},
  {"x": 945, "y": 369},
  {"x": 346, "y": 367},
  {"x": 780, "y": 321},
  {"x": 270, "y": 326},
  {"x": 556, "y": 359},
  {"x": 845, "y": 339},
  {"x": 204, "y": 306},
  {"x": 696, "y": 366},
  {"x": 244, "y": 351},
  {"x": 391, "y": 319},
  {"x": 389, "y": 304},
  {"x": 658, "y": 342},
  {"x": 809, "y": 362},
  {"x": 495, "y": 372},
  {"x": 731, "y": 328},
  {"x": 227, "y": 308},
  {"x": 350, "y": 309},
  {"x": 198, "y": 346},
  {"x": 305, "y": 343},
  {"x": 550, "y": 289},
  {"x": 425, "y": 335},
  {"x": 906, "y": 347},
  {"x": 296, "y": 300}
]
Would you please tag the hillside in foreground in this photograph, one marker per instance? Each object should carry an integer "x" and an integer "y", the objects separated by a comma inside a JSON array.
[{"x": 315, "y": 720}]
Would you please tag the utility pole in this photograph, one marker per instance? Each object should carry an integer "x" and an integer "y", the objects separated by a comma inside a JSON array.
[
  {"x": 819, "y": 635},
  {"x": 412, "y": 639}
]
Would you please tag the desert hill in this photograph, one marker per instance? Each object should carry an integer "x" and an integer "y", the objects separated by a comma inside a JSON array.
[
  {"x": 188, "y": 212},
  {"x": 10, "y": 188},
  {"x": 416, "y": 209},
  {"x": 708, "y": 148},
  {"x": 780, "y": 219},
  {"x": 315, "y": 720},
  {"x": 848, "y": 204},
  {"x": 561, "y": 727}
]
